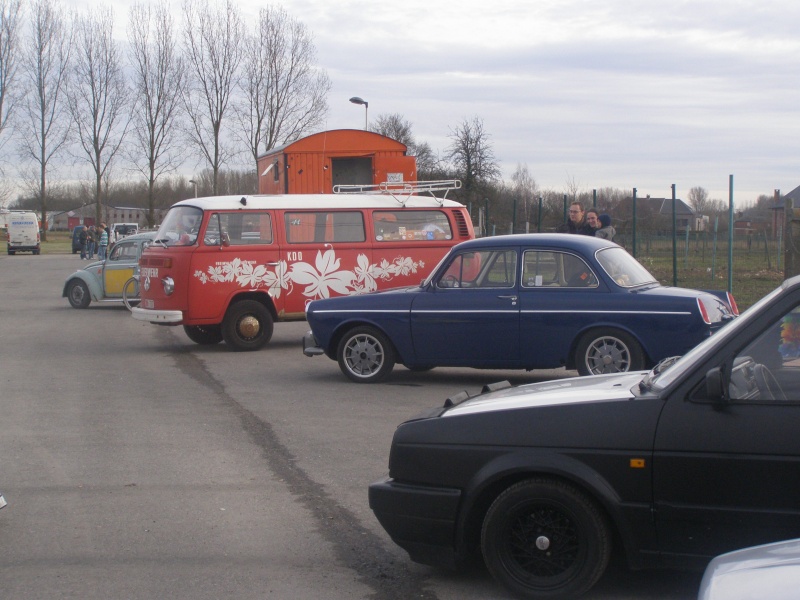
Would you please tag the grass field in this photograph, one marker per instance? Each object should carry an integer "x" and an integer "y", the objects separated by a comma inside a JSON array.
[
  {"x": 58, "y": 242},
  {"x": 702, "y": 263}
]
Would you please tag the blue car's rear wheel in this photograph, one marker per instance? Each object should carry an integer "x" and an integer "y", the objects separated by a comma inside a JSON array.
[
  {"x": 608, "y": 351},
  {"x": 365, "y": 355}
]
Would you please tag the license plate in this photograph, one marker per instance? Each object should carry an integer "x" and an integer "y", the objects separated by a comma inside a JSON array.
[{"x": 148, "y": 304}]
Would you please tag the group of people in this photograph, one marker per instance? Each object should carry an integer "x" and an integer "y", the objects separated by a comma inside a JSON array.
[
  {"x": 93, "y": 238},
  {"x": 589, "y": 222}
]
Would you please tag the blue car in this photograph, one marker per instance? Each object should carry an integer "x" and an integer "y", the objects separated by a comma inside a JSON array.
[{"x": 536, "y": 301}]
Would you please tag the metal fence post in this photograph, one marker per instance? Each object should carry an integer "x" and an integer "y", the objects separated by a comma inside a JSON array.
[{"x": 634, "y": 223}]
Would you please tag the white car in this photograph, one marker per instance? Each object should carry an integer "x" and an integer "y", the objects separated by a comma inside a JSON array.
[{"x": 771, "y": 571}]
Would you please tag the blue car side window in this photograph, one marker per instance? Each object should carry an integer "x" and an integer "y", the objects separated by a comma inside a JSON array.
[{"x": 486, "y": 269}]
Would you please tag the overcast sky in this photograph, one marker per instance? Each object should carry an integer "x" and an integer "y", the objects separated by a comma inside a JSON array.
[{"x": 621, "y": 93}]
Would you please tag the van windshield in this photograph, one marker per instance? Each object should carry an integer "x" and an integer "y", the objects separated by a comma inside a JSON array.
[{"x": 180, "y": 226}]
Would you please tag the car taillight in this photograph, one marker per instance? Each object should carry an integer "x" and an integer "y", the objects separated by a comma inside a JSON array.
[
  {"x": 703, "y": 311},
  {"x": 732, "y": 304}
]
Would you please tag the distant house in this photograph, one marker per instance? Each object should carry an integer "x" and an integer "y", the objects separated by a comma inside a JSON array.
[
  {"x": 648, "y": 208},
  {"x": 779, "y": 207},
  {"x": 85, "y": 215}
]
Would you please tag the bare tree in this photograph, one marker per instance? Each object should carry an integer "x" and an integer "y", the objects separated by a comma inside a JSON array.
[
  {"x": 158, "y": 75},
  {"x": 572, "y": 188},
  {"x": 44, "y": 128},
  {"x": 98, "y": 95},
  {"x": 214, "y": 50},
  {"x": 284, "y": 93},
  {"x": 10, "y": 19},
  {"x": 524, "y": 189},
  {"x": 396, "y": 127},
  {"x": 472, "y": 156},
  {"x": 698, "y": 198}
]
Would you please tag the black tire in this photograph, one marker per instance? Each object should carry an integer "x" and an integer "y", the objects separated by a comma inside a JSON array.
[
  {"x": 247, "y": 326},
  {"x": 78, "y": 294},
  {"x": 608, "y": 351},
  {"x": 365, "y": 355},
  {"x": 545, "y": 539},
  {"x": 205, "y": 335}
]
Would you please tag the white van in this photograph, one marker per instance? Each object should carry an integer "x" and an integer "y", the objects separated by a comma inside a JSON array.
[
  {"x": 23, "y": 232},
  {"x": 117, "y": 231}
]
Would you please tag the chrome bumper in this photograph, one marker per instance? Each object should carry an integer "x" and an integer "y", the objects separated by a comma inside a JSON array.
[
  {"x": 310, "y": 346},
  {"x": 157, "y": 316}
]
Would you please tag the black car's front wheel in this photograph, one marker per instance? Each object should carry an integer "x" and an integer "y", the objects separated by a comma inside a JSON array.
[
  {"x": 608, "y": 351},
  {"x": 546, "y": 540},
  {"x": 365, "y": 355}
]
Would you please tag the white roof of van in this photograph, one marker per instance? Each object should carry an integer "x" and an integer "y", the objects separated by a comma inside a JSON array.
[{"x": 316, "y": 201}]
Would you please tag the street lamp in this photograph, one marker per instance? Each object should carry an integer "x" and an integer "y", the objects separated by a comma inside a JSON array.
[
  {"x": 357, "y": 100},
  {"x": 194, "y": 183}
]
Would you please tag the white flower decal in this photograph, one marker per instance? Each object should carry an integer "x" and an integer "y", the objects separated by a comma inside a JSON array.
[
  {"x": 325, "y": 277},
  {"x": 320, "y": 280}
]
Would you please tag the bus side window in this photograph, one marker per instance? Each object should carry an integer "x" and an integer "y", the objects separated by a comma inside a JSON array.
[{"x": 348, "y": 227}]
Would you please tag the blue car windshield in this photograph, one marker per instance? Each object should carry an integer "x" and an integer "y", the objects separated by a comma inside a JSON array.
[{"x": 625, "y": 270}]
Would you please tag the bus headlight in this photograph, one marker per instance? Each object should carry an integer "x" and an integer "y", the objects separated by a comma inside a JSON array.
[{"x": 169, "y": 285}]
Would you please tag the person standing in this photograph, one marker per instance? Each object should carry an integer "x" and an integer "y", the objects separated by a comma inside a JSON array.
[
  {"x": 101, "y": 253},
  {"x": 606, "y": 231},
  {"x": 593, "y": 219},
  {"x": 91, "y": 241},
  {"x": 576, "y": 222},
  {"x": 82, "y": 241}
]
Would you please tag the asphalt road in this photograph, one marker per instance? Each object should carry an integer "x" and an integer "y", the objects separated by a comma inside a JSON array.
[{"x": 137, "y": 464}]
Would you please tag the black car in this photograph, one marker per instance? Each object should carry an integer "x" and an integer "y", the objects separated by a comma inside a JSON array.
[{"x": 673, "y": 466}]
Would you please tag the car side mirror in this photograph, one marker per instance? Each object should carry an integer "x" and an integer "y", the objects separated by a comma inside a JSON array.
[{"x": 715, "y": 385}]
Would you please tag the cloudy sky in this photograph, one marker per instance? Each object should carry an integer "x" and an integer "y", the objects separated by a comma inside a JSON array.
[{"x": 621, "y": 93}]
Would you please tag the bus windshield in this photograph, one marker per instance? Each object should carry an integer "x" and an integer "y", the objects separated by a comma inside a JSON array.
[{"x": 180, "y": 226}]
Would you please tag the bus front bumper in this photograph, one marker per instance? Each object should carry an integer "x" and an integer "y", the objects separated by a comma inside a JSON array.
[{"x": 169, "y": 317}]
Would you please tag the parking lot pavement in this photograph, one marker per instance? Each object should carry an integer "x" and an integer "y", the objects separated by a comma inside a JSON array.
[{"x": 140, "y": 465}]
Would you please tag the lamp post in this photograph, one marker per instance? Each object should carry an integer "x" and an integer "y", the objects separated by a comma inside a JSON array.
[
  {"x": 357, "y": 100},
  {"x": 194, "y": 183}
]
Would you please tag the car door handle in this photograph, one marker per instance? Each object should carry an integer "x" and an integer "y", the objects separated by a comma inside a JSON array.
[{"x": 512, "y": 298}]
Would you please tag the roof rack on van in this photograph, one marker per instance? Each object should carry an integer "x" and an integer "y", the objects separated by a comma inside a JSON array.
[{"x": 402, "y": 190}]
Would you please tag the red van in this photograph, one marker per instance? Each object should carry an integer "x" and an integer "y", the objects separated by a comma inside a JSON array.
[{"x": 226, "y": 268}]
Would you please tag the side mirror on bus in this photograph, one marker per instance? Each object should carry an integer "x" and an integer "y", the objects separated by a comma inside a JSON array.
[{"x": 226, "y": 239}]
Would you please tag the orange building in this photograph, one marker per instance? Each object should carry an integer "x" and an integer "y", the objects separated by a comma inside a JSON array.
[{"x": 317, "y": 163}]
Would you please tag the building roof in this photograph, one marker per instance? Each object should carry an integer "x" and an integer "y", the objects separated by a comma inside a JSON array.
[{"x": 340, "y": 140}]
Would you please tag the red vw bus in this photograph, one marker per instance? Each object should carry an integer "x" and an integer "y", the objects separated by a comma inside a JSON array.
[{"x": 226, "y": 268}]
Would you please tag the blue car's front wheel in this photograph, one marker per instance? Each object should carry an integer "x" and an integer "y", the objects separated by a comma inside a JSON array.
[{"x": 365, "y": 355}]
